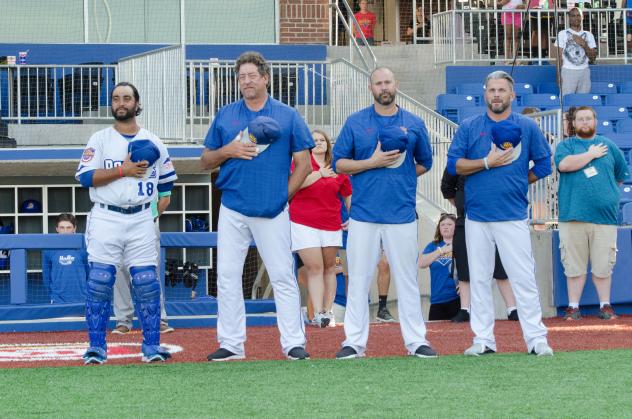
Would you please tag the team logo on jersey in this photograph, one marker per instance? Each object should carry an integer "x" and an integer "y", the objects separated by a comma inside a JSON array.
[
  {"x": 66, "y": 260},
  {"x": 30, "y": 352},
  {"x": 167, "y": 164},
  {"x": 88, "y": 154},
  {"x": 445, "y": 260}
]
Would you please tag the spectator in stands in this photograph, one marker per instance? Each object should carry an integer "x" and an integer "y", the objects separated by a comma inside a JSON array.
[
  {"x": 591, "y": 169},
  {"x": 494, "y": 150},
  {"x": 543, "y": 19},
  {"x": 576, "y": 48},
  {"x": 64, "y": 270},
  {"x": 367, "y": 21},
  {"x": 122, "y": 301},
  {"x": 316, "y": 226},
  {"x": 453, "y": 189},
  {"x": 444, "y": 300},
  {"x": 423, "y": 27},
  {"x": 512, "y": 23}
]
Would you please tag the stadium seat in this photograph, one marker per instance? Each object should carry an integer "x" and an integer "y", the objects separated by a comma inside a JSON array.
[
  {"x": 604, "y": 127},
  {"x": 549, "y": 87},
  {"x": 542, "y": 101},
  {"x": 474, "y": 89},
  {"x": 628, "y": 181},
  {"x": 611, "y": 113},
  {"x": 625, "y": 195},
  {"x": 603, "y": 88},
  {"x": 626, "y": 87},
  {"x": 470, "y": 111},
  {"x": 624, "y": 126},
  {"x": 449, "y": 104},
  {"x": 522, "y": 89},
  {"x": 620, "y": 99},
  {"x": 582, "y": 99},
  {"x": 627, "y": 214},
  {"x": 624, "y": 141}
]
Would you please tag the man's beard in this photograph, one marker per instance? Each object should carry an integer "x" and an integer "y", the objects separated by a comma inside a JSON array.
[
  {"x": 503, "y": 107},
  {"x": 585, "y": 132},
  {"x": 129, "y": 114},
  {"x": 385, "y": 101}
]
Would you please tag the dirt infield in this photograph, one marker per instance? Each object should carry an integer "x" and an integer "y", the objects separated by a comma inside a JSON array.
[{"x": 20, "y": 350}]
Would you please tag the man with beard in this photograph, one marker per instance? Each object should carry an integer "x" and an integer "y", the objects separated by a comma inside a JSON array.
[
  {"x": 494, "y": 150},
  {"x": 591, "y": 169},
  {"x": 125, "y": 167},
  {"x": 385, "y": 148}
]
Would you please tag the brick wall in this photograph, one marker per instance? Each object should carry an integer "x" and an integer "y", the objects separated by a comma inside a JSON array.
[{"x": 304, "y": 21}]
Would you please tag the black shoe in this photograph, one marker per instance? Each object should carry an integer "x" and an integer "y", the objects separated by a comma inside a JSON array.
[
  {"x": 347, "y": 352},
  {"x": 461, "y": 317},
  {"x": 425, "y": 351},
  {"x": 223, "y": 355},
  {"x": 513, "y": 316},
  {"x": 384, "y": 316},
  {"x": 297, "y": 353}
]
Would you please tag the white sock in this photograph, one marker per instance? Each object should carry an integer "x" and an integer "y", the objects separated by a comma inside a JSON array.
[
  {"x": 466, "y": 309},
  {"x": 510, "y": 309},
  {"x": 603, "y": 303},
  {"x": 573, "y": 305}
]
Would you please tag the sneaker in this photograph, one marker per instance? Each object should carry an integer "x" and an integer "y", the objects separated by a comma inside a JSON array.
[
  {"x": 384, "y": 316},
  {"x": 321, "y": 320},
  {"x": 223, "y": 355},
  {"x": 572, "y": 314},
  {"x": 121, "y": 329},
  {"x": 478, "y": 349},
  {"x": 297, "y": 354},
  {"x": 607, "y": 313},
  {"x": 425, "y": 351},
  {"x": 347, "y": 352},
  {"x": 95, "y": 355},
  {"x": 332, "y": 319},
  {"x": 513, "y": 316},
  {"x": 165, "y": 328},
  {"x": 155, "y": 353},
  {"x": 542, "y": 349},
  {"x": 462, "y": 316}
]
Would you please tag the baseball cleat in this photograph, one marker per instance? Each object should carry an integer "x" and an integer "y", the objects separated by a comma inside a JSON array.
[
  {"x": 607, "y": 312},
  {"x": 223, "y": 355},
  {"x": 478, "y": 349},
  {"x": 155, "y": 353},
  {"x": 424, "y": 351},
  {"x": 513, "y": 316},
  {"x": 95, "y": 355},
  {"x": 347, "y": 352},
  {"x": 384, "y": 316},
  {"x": 542, "y": 349},
  {"x": 297, "y": 354},
  {"x": 572, "y": 313},
  {"x": 321, "y": 320},
  {"x": 121, "y": 329},
  {"x": 462, "y": 316}
]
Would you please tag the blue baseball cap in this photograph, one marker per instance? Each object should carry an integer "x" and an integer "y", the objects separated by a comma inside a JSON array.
[
  {"x": 394, "y": 138},
  {"x": 262, "y": 131},
  {"x": 506, "y": 134},
  {"x": 143, "y": 150},
  {"x": 31, "y": 206}
]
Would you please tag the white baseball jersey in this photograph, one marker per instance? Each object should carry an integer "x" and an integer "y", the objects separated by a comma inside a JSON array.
[{"x": 107, "y": 149}]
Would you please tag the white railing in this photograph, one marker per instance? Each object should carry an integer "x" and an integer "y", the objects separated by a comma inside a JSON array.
[
  {"x": 55, "y": 92},
  {"x": 212, "y": 84},
  {"x": 478, "y": 35},
  {"x": 342, "y": 26},
  {"x": 159, "y": 76}
]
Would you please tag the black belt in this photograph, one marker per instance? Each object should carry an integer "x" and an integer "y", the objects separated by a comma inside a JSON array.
[{"x": 130, "y": 210}]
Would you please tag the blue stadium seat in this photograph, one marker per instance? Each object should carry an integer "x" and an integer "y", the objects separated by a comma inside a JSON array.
[
  {"x": 603, "y": 88},
  {"x": 604, "y": 128},
  {"x": 625, "y": 195},
  {"x": 624, "y": 126},
  {"x": 611, "y": 113},
  {"x": 474, "y": 89},
  {"x": 626, "y": 87},
  {"x": 582, "y": 99},
  {"x": 542, "y": 101},
  {"x": 620, "y": 99},
  {"x": 627, "y": 214},
  {"x": 628, "y": 181},
  {"x": 624, "y": 141},
  {"x": 449, "y": 104},
  {"x": 549, "y": 87},
  {"x": 522, "y": 89},
  {"x": 470, "y": 111}
]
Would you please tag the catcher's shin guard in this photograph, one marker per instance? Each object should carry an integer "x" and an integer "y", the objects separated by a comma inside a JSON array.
[
  {"x": 147, "y": 300},
  {"x": 99, "y": 301}
]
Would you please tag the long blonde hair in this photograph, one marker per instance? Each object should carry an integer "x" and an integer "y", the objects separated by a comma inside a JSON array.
[{"x": 328, "y": 153}]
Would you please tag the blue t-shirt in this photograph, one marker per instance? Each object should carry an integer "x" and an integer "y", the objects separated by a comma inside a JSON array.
[
  {"x": 258, "y": 187},
  {"x": 442, "y": 286},
  {"x": 500, "y": 193},
  {"x": 384, "y": 195},
  {"x": 64, "y": 272},
  {"x": 592, "y": 199}
]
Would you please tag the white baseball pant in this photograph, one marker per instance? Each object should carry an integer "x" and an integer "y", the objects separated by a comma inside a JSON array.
[
  {"x": 363, "y": 253},
  {"x": 513, "y": 240},
  {"x": 272, "y": 237}
]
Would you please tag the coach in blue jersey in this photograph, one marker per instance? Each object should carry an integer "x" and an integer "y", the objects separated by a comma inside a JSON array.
[
  {"x": 494, "y": 150},
  {"x": 384, "y": 148},
  {"x": 256, "y": 184}
]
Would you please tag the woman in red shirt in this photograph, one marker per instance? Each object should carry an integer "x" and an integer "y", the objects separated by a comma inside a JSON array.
[{"x": 317, "y": 226}]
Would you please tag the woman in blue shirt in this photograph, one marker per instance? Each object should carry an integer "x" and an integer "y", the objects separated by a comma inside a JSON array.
[{"x": 444, "y": 300}]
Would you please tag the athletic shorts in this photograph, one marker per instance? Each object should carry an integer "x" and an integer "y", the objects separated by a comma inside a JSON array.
[
  {"x": 581, "y": 242},
  {"x": 304, "y": 237},
  {"x": 459, "y": 253},
  {"x": 444, "y": 311},
  {"x": 508, "y": 18}
]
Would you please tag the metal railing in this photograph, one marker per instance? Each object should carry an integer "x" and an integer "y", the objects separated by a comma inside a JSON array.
[
  {"x": 55, "y": 92},
  {"x": 343, "y": 22},
  {"x": 478, "y": 35}
]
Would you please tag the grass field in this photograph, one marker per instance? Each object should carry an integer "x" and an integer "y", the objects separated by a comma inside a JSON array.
[{"x": 571, "y": 384}]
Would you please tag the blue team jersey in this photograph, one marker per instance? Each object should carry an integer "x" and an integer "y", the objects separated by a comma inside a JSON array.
[
  {"x": 498, "y": 194},
  {"x": 592, "y": 199},
  {"x": 442, "y": 286},
  {"x": 384, "y": 195},
  {"x": 64, "y": 272},
  {"x": 258, "y": 187}
]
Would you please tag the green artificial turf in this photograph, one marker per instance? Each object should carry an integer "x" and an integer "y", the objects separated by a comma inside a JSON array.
[{"x": 571, "y": 384}]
